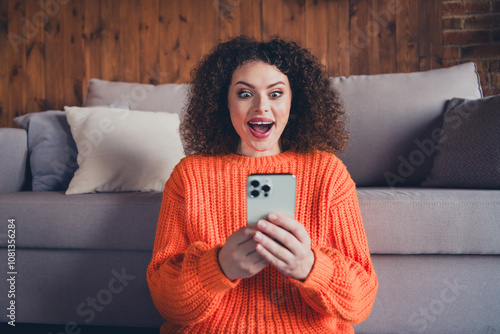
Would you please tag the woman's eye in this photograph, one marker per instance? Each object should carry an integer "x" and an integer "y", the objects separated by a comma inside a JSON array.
[
  {"x": 276, "y": 94},
  {"x": 244, "y": 94}
]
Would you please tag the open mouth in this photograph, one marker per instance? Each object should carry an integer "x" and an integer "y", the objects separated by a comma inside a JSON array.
[{"x": 260, "y": 129}]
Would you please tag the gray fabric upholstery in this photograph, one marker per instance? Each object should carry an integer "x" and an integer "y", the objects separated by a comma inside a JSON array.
[
  {"x": 468, "y": 154},
  {"x": 431, "y": 221},
  {"x": 391, "y": 120},
  {"x": 54, "y": 286},
  {"x": 166, "y": 97},
  {"x": 110, "y": 221},
  {"x": 396, "y": 220},
  {"x": 52, "y": 150},
  {"x": 13, "y": 160},
  {"x": 435, "y": 294}
]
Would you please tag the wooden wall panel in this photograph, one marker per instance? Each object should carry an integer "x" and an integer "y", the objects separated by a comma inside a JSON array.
[
  {"x": 170, "y": 57},
  {"x": 430, "y": 38},
  {"x": 383, "y": 26},
  {"x": 16, "y": 53},
  {"x": 49, "y": 49},
  {"x": 110, "y": 40},
  {"x": 407, "y": 51},
  {"x": 92, "y": 39},
  {"x": 54, "y": 62},
  {"x": 339, "y": 40},
  {"x": 5, "y": 116},
  {"x": 35, "y": 69}
]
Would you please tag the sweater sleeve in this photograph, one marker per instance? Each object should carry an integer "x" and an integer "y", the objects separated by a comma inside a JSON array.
[
  {"x": 342, "y": 282},
  {"x": 184, "y": 278}
]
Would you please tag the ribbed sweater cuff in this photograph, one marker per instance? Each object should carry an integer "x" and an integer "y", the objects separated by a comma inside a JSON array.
[
  {"x": 321, "y": 274},
  {"x": 211, "y": 273}
]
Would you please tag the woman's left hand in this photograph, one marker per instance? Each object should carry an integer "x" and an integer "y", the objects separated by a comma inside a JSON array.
[{"x": 285, "y": 244}]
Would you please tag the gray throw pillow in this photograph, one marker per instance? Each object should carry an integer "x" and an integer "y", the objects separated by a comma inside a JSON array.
[
  {"x": 468, "y": 153},
  {"x": 52, "y": 150}
]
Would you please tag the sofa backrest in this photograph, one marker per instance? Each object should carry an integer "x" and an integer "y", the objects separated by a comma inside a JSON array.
[
  {"x": 137, "y": 96},
  {"x": 393, "y": 118},
  {"x": 14, "y": 165},
  {"x": 394, "y": 121}
]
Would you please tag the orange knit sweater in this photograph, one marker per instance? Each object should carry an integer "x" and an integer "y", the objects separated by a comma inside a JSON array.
[{"x": 204, "y": 203}]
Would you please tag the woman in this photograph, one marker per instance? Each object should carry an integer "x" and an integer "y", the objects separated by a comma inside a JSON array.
[{"x": 257, "y": 108}]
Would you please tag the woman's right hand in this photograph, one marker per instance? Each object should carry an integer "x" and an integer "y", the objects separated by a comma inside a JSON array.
[{"x": 238, "y": 257}]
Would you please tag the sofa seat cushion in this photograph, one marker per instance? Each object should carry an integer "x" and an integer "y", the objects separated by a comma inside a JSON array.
[
  {"x": 431, "y": 221},
  {"x": 112, "y": 221},
  {"x": 397, "y": 221}
]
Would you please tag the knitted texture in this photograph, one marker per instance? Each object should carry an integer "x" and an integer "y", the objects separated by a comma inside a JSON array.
[{"x": 204, "y": 203}]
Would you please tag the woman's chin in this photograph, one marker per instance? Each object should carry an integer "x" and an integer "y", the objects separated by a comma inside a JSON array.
[{"x": 259, "y": 149}]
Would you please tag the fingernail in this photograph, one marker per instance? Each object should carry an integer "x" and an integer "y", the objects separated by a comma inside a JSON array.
[
  {"x": 262, "y": 224},
  {"x": 272, "y": 216},
  {"x": 258, "y": 236}
]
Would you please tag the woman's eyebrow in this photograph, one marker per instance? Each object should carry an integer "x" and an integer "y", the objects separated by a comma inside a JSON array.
[{"x": 251, "y": 86}]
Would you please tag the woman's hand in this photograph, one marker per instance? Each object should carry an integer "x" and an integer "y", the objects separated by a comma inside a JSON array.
[
  {"x": 285, "y": 244},
  {"x": 238, "y": 257}
]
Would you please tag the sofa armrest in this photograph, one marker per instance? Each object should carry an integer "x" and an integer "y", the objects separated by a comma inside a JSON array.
[{"x": 13, "y": 160}]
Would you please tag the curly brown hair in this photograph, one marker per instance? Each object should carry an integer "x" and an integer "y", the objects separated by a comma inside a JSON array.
[{"x": 317, "y": 119}]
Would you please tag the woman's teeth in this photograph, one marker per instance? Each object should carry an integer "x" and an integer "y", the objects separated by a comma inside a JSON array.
[{"x": 261, "y": 127}]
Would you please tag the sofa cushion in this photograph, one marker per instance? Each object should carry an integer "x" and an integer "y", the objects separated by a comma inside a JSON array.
[
  {"x": 397, "y": 221},
  {"x": 166, "y": 97},
  {"x": 431, "y": 221},
  {"x": 14, "y": 158},
  {"x": 468, "y": 153},
  {"x": 112, "y": 221},
  {"x": 393, "y": 119},
  {"x": 52, "y": 150},
  {"x": 123, "y": 150}
]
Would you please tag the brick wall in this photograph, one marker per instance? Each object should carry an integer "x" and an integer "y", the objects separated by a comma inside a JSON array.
[{"x": 471, "y": 32}]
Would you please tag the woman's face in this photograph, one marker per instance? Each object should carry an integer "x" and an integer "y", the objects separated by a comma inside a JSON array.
[{"x": 259, "y": 101}]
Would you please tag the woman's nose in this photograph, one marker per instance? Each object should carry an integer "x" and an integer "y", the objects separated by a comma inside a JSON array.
[{"x": 262, "y": 104}]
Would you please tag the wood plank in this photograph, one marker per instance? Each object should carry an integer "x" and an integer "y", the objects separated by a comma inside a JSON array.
[
  {"x": 360, "y": 41},
  {"x": 92, "y": 41},
  {"x": 316, "y": 21},
  {"x": 18, "y": 37},
  {"x": 229, "y": 18},
  {"x": 129, "y": 41},
  {"x": 73, "y": 53},
  {"x": 251, "y": 21},
  {"x": 430, "y": 35},
  {"x": 110, "y": 40},
  {"x": 149, "y": 42},
  {"x": 54, "y": 60},
  {"x": 209, "y": 26},
  {"x": 272, "y": 18},
  {"x": 188, "y": 39},
  {"x": 5, "y": 117},
  {"x": 35, "y": 59},
  {"x": 338, "y": 38},
  {"x": 294, "y": 20},
  {"x": 169, "y": 41},
  {"x": 382, "y": 28},
  {"x": 407, "y": 19}
]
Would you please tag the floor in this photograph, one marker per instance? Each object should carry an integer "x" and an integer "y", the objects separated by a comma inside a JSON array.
[{"x": 62, "y": 329}]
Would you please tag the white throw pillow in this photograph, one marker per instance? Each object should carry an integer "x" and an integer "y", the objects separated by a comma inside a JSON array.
[{"x": 123, "y": 150}]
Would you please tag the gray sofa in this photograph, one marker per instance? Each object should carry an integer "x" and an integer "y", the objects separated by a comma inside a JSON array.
[{"x": 81, "y": 259}]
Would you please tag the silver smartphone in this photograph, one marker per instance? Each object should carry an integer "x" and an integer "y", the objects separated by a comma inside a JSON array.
[{"x": 268, "y": 193}]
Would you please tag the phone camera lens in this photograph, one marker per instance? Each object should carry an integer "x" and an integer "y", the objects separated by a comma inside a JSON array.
[
  {"x": 266, "y": 188},
  {"x": 255, "y": 193},
  {"x": 255, "y": 183}
]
